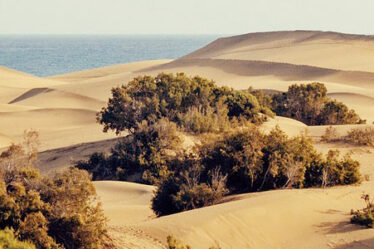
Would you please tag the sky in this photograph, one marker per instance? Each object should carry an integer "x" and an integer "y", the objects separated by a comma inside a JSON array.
[{"x": 183, "y": 16}]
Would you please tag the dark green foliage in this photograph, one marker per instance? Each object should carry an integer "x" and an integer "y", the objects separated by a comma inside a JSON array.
[
  {"x": 239, "y": 155},
  {"x": 249, "y": 160},
  {"x": 337, "y": 113},
  {"x": 309, "y": 104},
  {"x": 170, "y": 96},
  {"x": 332, "y": 170},
  {"x": 186, "y": 189},
  {"x": 364, "y": 217},
  {"x": 211, "y": 120},
  {"x": 61, "y": 212},
  {"x": 9, "y": 241},
  {"x": 141, "y": 156},
  {"x": 255, "y": 161}
]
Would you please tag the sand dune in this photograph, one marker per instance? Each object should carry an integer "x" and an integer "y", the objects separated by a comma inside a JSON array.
[
  {"x": 15, "y": 79},
  {"x": 57, "y": 127},
  {"x": 310, "y": 218},
  {"x": 280, "y": 72},
  {"x": 50, "y": 98},
  {"x": 314, "y": 48},
  {"x": 62, "y": 118},
  {"x": 307, "y": 218},
  {"x": 51, "y": 161},
  {"x": 125, "y": 199},
  {"x": 107, "y": 71},
  {"x": 7, "y": 94},
  {"x": 290, "y": 126},
  {"x": 97, "y": 83}
]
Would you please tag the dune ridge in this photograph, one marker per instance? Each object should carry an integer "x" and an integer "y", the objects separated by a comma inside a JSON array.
[
  {"x": 284, "y": 71},
  {"x": 314, "y": 48}
]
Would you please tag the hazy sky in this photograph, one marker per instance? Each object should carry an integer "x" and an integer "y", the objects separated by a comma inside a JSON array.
[{"x": 183, "y": 16}]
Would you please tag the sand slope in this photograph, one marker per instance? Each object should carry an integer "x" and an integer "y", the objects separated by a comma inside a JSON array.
[
  {"x": 62, "y": 108},
  {"x": 313, "y": 48},
  {"x": 306, "y": 218}
]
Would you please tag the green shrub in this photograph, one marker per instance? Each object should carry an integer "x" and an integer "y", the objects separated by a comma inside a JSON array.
[
  {"x": 52, "y": 213},
  {"x": 364, "y": 217},
  {"x": 337, "y": 113},
  {"x": 170, "y": 96},
  {"x": 248, "y": 160},
  {"x": 141, "y": 156},
  {"x": 199, "y": 121},
  {"x": 256, "y": 161},
  {"x": 239, "y": 156},
  {"x": 309, "y": 104},
  {"x": 358, "y": 136},
  {"x": 185, "y": 189},
  {"x": 9, "y": 241}
]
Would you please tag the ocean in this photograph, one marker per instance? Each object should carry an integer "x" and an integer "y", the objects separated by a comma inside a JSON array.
[{"x": 46, "y": 55}]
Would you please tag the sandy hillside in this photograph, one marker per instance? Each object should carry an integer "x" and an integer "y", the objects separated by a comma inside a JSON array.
[
  {"x": 292, "y": 219},
  {"x": 63, "y": 108}
]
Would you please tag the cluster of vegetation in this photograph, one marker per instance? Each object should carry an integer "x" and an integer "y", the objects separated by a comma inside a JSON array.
[
  {"x": 153, "y": 109},
  {"x": 355, "y": 136},
  {"x": 173, "y": 243},
  {"x": 359, "y": 136},
  {"x": 309, "y": 104},
  {"x": 364, "y": 217},
  {"x": 9, "y": 241},
  {"x": 60, "y": 212},
  {"x": 196, "y": 103},
  {"x": 238, "y": 158},
  {"x": 246, "y": 161}
]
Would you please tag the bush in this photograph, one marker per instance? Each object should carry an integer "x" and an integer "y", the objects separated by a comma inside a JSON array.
[
  {"x": 61, "y": 212},
  {"x": 330, "y": 135},
  {"x": 9, "y": 241},
  {"x": 256, "y": 161},
  {"x": 249, "y": 160},
  {"x": 359, "y": 136},
  {"x": 202, "y": 121},
  {"x": 309, "y": 104},
  {"x": 355, "y": 136},
  {"x": 337, "y": 113},
  {"x": 185, "y": 189},
  {"x": 141, "y": 156},
  {"x": 364, "y": 217},
  {"x": 170, "y": 96}
]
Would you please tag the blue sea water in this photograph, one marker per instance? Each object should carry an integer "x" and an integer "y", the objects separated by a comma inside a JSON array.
[{"x": 44, "y": 55}]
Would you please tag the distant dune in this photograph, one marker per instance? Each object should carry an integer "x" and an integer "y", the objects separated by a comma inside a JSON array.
[
  {"x": 313, "y": 48},
  {"x": 63, "y": 109}
]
